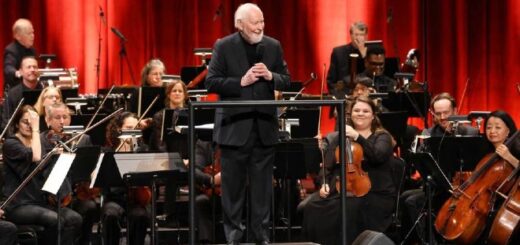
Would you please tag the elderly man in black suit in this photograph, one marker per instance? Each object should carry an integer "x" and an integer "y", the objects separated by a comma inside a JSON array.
[
  {"x": 247, "y": 65},
  {"x": 22, "y": 46}
]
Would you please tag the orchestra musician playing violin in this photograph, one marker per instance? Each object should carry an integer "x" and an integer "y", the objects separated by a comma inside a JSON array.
[
  {"x": 57, "y": 116},
  {"x": 372, "y": 211},
  {"x": 116, "y": 203},
  {"x": 22, "y": 153}
]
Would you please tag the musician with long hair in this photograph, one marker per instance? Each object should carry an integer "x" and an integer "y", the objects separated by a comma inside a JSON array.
[
  {"x": 116, "y": 204},
  {"x": 22, "y": 152},
  {"x": 372, "y": 211}
]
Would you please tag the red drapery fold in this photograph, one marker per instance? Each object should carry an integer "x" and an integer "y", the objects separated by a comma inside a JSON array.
[{"x": 468, "y": 41}]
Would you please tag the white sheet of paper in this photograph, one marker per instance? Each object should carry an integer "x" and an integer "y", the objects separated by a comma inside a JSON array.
[
  {"x": 58, "y": 173},
  {"x": 94, "y": 174}
]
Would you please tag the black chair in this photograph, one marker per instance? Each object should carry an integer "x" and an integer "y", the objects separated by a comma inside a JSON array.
[{"x": 28, "y": 234}]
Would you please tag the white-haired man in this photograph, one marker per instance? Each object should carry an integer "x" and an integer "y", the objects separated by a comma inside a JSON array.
[
  {"x": 247, "y": 65},
  {"x": 22, "y": 46}
]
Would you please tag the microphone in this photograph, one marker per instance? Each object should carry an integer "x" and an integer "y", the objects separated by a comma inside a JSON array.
[
  {"x": 312, "y": 78},
  {"x": 259, "y": 52},
  {"x": 118, "y": 34},
  {"x": 102, "y": 15}
]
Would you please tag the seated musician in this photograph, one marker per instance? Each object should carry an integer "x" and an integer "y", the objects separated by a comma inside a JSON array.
[
  {"x": 22, "y": 153},
  {"x": 442, "y": 106},
  {"x": 372, "y": 211},
  {"x": 48, "y": 96},
  {"x": 7, "y": 231},
  {"x": 375, "y": 67},
  {"x": 499, "y": 127},
  {"x": 116, "y": 204},
  {"x": 152, "y": 73},
  {"x": 57, "y": 116},
  {"x": 176, "y": 97}
]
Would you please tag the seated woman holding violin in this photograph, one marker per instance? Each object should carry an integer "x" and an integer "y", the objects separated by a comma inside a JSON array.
[
  {"x": 119, "y": 201},
  {"x": 22, "y": 153},
  {"x": 371, "y": 205},
  {"x": 463, "y": 217}
]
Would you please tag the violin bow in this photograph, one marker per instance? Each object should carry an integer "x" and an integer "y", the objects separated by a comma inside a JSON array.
[
  {"x": 138, "y": 121},
  {"x": 11, "y": 119}
]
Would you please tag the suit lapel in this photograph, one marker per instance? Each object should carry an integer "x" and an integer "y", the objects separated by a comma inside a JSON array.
[{"x": 241, "y": 55}]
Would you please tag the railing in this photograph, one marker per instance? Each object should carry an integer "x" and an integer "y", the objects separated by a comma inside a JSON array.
[{"x": 265, "y": 103}]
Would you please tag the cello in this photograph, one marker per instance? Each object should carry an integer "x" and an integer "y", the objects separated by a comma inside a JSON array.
[
  {"x": 463, "y": 216},
  {"x": 506, "y": 221}
]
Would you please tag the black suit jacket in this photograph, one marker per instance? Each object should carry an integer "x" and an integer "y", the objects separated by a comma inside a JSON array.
[
  {"x": 13, "y": 54},
  {"x": 339, "y": 69},
  {"x": 228, "y": 64}
]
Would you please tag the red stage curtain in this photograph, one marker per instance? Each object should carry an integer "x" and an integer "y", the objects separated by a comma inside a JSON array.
[{"x": 467, "y": 40}]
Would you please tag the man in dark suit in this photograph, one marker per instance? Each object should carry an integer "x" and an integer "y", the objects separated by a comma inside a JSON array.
[
  {"x": 246, "y": 65},
  {"x": 339, "y": 69},
  {"x": 22, "y": 46}
]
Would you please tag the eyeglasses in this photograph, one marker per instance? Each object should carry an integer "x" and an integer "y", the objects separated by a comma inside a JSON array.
[
  {"x": 53, "y": 97},
  {"x": 378, "y": 64}
]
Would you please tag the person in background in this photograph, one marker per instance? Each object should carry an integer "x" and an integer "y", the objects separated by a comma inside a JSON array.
[
  {"x": 29, "y": 73},
  {"x": 247, "y": 65},
  {"x": 22, "y": 46},
  {"x": 152, "y": 73},
  {"x": 339, "y": 69},
  {"x": 48, "y": 96}
]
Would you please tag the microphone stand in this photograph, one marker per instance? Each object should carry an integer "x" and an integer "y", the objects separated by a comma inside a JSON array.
[{"x": 123, "y": 55}]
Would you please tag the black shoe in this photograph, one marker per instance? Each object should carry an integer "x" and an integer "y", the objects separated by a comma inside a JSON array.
[
  {"x": 262, "y": 243},
  {"x": 233, "y": 243}
]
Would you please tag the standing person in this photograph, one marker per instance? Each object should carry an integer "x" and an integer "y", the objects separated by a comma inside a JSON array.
[
  {"x": 247, "y": 65},
  {"x": 372, "y": 211},
  {"x": 375, "y": 68},
  {"x": 22, "y": 152},
  {"x": 22, "y": 46},
  {"x": 152, "y": 73},
  {"x": 29, "y": 72},
  {"x": 7, "y": 231},
  {"x": 339, "y": 69}
]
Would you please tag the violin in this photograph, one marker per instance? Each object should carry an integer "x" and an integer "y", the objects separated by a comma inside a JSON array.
[
  {"x": 358, "y": 182},
  {"x": 463, "y": 216}
]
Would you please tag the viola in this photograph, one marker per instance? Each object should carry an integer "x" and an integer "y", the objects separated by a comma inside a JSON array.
[
  {"x": 212, "y": 170},
  {"x": 140, "y": 195},
  {"x": 84, "y": 192},
  {"x": 358, "y": 182},
  {"x": 463, "y": 216},
  {"x": 65, "y": 201}
]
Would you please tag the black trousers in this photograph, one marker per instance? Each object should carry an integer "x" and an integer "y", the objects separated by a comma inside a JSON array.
[
  {"x": 248, "y": 165},
  {"x": 112, "y": 214},
  {"x": 48, "y": 218},
  {"x": 89, "y": 211},
  {"x": 7, "y": 233}
]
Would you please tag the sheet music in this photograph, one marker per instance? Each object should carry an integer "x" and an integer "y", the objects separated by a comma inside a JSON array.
[
  {"x": 58, "y": 173},
  {"x": 94, "y": 174},
  {"x": 142, "y": 162}
]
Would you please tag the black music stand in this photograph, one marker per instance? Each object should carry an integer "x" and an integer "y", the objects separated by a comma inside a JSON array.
[
  {"x": 204, "y": 117},
  {"x": 31, "y": 96},
  {"x": 460, "y": 153},
  {"x": 189, "y": 73},
  {"x": 289, "y": 167},
  {"x": 97, "y": 134},
  {"x": 395, "y": 122},
  {"x": 84, "y": 163},
  {"x": 151, "y": 169},
  {"x": 307, "y": 122},
  {"x": 414, "y": 103},
  {"x": 434, "y": 176},
  {"x": 146, "y": 96}
]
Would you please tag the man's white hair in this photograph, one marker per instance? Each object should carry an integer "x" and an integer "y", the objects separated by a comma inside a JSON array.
[
  {"x": 243, "y": 10},
  {"x": 20, "y": 25}
]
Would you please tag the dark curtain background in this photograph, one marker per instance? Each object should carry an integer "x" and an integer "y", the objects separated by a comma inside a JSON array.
[{"x": 467, "y": 45}]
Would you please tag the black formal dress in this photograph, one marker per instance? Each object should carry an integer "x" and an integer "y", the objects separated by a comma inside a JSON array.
[
  {"x": 246, "y": 135},
  {"x": 13, "y": 54},
  {"x": 30, "y": 207},
  {"x": 322, "y": 216}
]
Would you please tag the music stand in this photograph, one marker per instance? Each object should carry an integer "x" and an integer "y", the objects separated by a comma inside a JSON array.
[
  {"x": 31, "y": 96},
  {"x": 146, "y": 96},
  {"x": 395, "y": 122},
  {"x": 307, "y": 120},
  {"x": 84, "y": 163},
  {"x": 289, "y": 166},
  {"x": 414, "y": 103},
  {"x": 188, "y": 73},
  {"x": 149, "y": 169},
  {"x": 460, "y": 153},
  {"x": 434, "y": 175},
  {"x": 203, "y": 123},
  {"x": 97, "y": 134}
]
